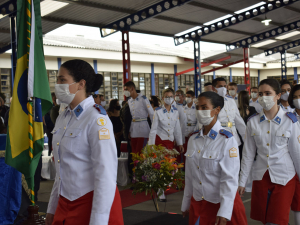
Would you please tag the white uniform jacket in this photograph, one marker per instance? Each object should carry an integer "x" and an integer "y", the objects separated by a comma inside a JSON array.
[
  {"x": 230, "y": 113},
  {"x": 256, "y": 105},
  {"x": 182, "y": 118},
  {"x": 277, "y": 143},
  {"x": 286, "y": 109},
  {"x": 140, "y": 108},
  {"x": 235, "y": 99},
  {"x": 212, "y": 169},
  {"x": 166, "y": 125},
  {"x": 86, "y": 159},
  {"x": 191, "y": 119}
]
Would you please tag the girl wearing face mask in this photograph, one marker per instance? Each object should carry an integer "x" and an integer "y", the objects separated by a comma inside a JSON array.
[
  {"x": 285, "y": 92},
  {"x": 272, "y": 136},
  {"x": 294, "y": 101},
  {"x": 113, "y": 112},
  {"x": 85, "y": 190},
  {"x": 211, "y": 170}
]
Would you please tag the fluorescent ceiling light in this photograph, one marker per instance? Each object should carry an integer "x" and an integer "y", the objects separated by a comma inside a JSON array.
[
  {"x": 218, "y": 19},
  {"x": 187, "y": 31},
  {"x": 49, "y": 6},
  {"x": 263, "y": 43},
  {"x": 291, "y": 34},
  {"x": 249, "y": 8}
]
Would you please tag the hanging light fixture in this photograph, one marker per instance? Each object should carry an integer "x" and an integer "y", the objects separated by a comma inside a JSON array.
[{"x": 266, "y": 21}]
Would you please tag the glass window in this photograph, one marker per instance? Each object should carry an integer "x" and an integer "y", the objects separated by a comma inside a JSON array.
[
  {"x": 101, "y": 90},
  {"x": 52, "y": 75},
  {"x": 107, "y": 86},
  {"x": 148, "y": 85},
  {"x": 5, "y": 85}
]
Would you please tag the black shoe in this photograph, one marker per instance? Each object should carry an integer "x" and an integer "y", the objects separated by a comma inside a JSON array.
[{"x": 162, "y": 200}]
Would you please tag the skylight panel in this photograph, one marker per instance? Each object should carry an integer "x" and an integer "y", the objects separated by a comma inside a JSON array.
[
  {"x": 50, "y": 6},
  {"x": 288, "y": 35}
]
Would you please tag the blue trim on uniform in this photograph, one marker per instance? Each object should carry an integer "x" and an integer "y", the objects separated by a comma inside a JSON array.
[
  {"x": 277, "y": 120},
  {"x": 100, "y": 109},
  {"x": 144, "y": 97},
  {"x": 193, "y": 107},
  {"x": 137, "y": 98},
  {"x": 213, "y": 134},
  {"x": 198, "y": 221},
  {"x": 195, "y": 132},
  {"x": 177, "y": 104},
  {"x": 78, "y": 110},
  {"x": 158, "y": 108},
  {"x": 262, "y": 118},
  {"x": 292, "y": 117},
  {"x": 252, "y": 116},
  {"x": 174, "y": 107},
  {"x": 225, "y": 99},
  {"x": 226, "y": 133},
  {"x": 228, "y": 96},
  {"x": 268, "y": 199},
  {"x": 165, "y": 111}
]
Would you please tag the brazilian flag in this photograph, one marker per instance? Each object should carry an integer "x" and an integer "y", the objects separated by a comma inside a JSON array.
[{"x": 31, "y": 98}]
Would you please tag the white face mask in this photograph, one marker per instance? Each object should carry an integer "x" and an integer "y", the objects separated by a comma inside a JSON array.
[
  {"x": 285, "y": 96},
  {"x": 62, "y": 92},
  {"x": 267, "y": 102},
  {"x": 296, "y": 103},
  {"x": 127, "y": 93},
  {"x": 103, "y": 103},
  {"x": 177, "y": 98},
  {"x": 232, "y": 92},
  {"x": 222, "y": 91},
  {"x": 188, "y": 100},
  {"x": 168, "y": 101},
  {"x": 204, "y": 117},
  {"x": 253, "y": 95}
]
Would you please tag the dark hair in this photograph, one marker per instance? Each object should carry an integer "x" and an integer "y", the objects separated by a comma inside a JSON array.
[
  {"x": 53, "y": 94},
  {"x": 208, "y": 83},
  {"x": 171, "y": 89},
  {"x": 100, "y": 95},
  {"x": 215, "y": 99},
  {"x": 272, "y": 83},
  {"x": 155, "y": 101},
  {"x": 130, "y": 84},
  {"x": 190, "y": 93},
  {"x": 95, "y": 95},
  {"x": 243, "y": 100},
  {"x": 138, "y": 91},
  {"x": 124, "y": 102},
  {"x": 232, "y": 84},
  {"x": 253, "y": 88},
  {"x": 290, "y": 99},
  {"x": 283, "y": 82},
  {"x": 178, "y": 91},
  {"x": 215, "y": 81},
  {"x": 112, "y": 105},
  {"x": 82, "y": 70}
]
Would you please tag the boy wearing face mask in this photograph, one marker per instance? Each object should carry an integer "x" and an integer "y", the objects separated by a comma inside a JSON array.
[
  {"x": 140, "y": 108},
  {"x": 254, "y": 99},
  {"x": 272, "y": 137},
  {"x": 232, "y": 91},
  {"x": 294, "y": 101},
  {"x": 229, "y": 116},
  {"x": 179, "y": 103},
  {"x": 285, "y": 92}
]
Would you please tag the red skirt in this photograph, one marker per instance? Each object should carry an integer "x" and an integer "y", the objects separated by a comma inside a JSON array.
[
  {"x": 165, "y": 143},
  {"x": 79, "y": 211},
  {"x": 207, "y": 212},
  {"x": 137, "y": 144},
  {"x": 270, "y": 203},
  {"x": 296, "y": 199}
]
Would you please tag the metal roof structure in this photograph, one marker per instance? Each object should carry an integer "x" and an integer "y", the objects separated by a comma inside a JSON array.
[{"x": 99, "y": 13}]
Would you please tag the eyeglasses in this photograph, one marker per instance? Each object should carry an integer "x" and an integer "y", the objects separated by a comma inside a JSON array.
[{"x": 169, "y": 97}]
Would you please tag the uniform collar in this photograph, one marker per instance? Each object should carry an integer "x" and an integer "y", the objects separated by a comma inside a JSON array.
[
  {"x": 165, "y": 110},
  {"x": 213, "y": 133},
  {"x": 81, "y": 107},
  {"x": 276, "y": 119},
  {"x": 192, "y": 107},
  {"x": 137, "y": 98}
]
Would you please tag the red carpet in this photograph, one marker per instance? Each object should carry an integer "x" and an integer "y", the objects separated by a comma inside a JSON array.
[{"x": 128, "y": 199}]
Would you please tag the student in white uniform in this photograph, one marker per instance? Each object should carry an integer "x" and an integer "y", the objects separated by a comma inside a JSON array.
[
  {"x": 294, "y": 102},
  {"x": 254, "y": 99},
  {"x": 285, "y": 92},
  {"x": 208, "y": 87},
  {"x": 85, "y": 153},
  {"x": 178, "y": 103},
  {"x": 229, "y": 116},
  {"x": 212, "y": 168},
  {"x": 273, "y": 137},
  {"x": 232, "y": 92},
  {"x": 140, "y": 109}
]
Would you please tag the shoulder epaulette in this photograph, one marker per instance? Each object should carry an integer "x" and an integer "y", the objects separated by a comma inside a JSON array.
[
  {"x": 255, "y": 114},
  {"x": 158, "y": 108},
  {"x": 100, "y": 109},
  {"x": 195, "y": 132},
  {"x": 178, "y": 104},
  {"x": 226, "y": 133},
  {"x": 292, "y": 116},
  {"x": 174, "y": 107},
  {"x": 144, "y": 97}
]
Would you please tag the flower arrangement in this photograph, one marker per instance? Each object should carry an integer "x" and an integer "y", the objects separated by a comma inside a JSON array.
[{"x": 156, "y": 169}]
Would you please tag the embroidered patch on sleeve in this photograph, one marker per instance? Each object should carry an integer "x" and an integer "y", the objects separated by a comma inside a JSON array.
[
  {"x": 104, "y": 134},
  {"x": 233, "y": 152},
  {"x": 101, "y": 121},
  {"x": 148, "y": 106},
  {"x": 299, "y": 138}
]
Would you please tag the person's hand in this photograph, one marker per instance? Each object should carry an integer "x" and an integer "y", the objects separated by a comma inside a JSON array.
[
  {"x": 186, "y": 213},
  {"x": 181, "y": 149},
  {"x": 221, "y": 221},
  {"x": 241, "y": 191},
  {"x": 49, "y": 219}
]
